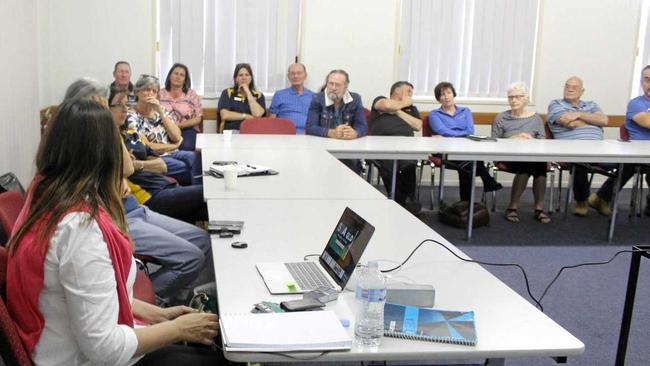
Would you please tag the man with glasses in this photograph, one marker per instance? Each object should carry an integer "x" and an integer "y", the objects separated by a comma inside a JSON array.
[
  {"x": 293, "y": 102},
  {"x": 122, "y": 76},
  {"x": 574, "y": 119},
  {"x": 337, "y": 113}
]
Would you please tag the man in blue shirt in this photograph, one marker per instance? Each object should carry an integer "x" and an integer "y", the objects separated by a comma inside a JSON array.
[
  {"x": 574, "y": 119},
  {"x": 337, "y": 113},
  {"x": 293, "y": 102},
  {"x": 637, "y": 122}
]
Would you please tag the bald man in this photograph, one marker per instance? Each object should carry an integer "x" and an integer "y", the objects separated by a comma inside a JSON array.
[
  {"x": 293, "y": 102},
  {"x": 574, "y": 119}
]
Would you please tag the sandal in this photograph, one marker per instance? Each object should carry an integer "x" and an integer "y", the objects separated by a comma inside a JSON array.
[
  {"x": 542, "y": 217},
  {"x": 512, "y": 215}
]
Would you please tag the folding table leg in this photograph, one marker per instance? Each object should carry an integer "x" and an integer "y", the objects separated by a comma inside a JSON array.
[
  {"x": 470, "y": 213},
  {"x": 569, "y": 187},
  {"x": 392, "y": 183},
  {"x": 612, "y": 220}
]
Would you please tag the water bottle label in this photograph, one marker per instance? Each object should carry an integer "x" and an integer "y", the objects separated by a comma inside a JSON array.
[{"x": 371, "y": 295}]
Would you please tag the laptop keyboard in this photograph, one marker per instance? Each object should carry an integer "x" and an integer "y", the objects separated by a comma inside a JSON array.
[{"x": 307, "y": 275}]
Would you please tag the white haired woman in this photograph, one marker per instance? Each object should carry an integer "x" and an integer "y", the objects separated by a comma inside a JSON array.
[{"x": 518, "y": 123}]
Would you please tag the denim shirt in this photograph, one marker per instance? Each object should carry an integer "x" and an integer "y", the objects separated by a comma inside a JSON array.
[{"x": 321, "y": 118}]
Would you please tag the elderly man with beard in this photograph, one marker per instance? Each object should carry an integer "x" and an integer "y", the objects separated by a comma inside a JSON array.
[{"x": 337, "y": 113}]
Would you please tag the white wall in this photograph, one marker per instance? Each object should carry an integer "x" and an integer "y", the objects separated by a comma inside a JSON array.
[
  {"x": 85, "y": 38},
  {"x": 357, "y": 36},
  {"x": 595, "y": 39},
  {"x": 19, "y": 106}
]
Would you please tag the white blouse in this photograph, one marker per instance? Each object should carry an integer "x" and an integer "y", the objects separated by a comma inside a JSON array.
[{"x": 79, "y": 300}]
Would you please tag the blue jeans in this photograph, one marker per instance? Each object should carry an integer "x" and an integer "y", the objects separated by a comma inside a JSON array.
[
  {"x": 181, "y": 202},
  {"x": 184, "y": 166},
  {"x": 183, "y": 250},
  {"x": 189, "y": 139}
]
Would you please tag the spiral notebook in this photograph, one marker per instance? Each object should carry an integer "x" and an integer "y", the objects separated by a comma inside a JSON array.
[{"x": 427, "y": 324}]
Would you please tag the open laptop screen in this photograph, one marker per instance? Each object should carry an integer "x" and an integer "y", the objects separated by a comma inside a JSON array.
[{"x": 345, "y": 246}]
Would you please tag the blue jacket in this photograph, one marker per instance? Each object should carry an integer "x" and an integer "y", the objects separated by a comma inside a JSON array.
[{"x": 321, "y": 118}]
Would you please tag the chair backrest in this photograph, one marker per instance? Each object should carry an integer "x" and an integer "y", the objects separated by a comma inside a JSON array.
[
  {"x": 268, "y": 126},
  {"x": 12, "y": 350},
  {"x": 547, "y": 131},
  {"x": 10, "y": 205},
  {"x": 426, "y": 127},
  {"x": 9, "y": 182},
  {"x": 623, "y": 133}
]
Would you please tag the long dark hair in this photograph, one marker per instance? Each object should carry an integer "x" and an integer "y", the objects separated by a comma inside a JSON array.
[
  {"x": 250, "y": 71},
  {"x": 188, "y": 82},
  {"x": 79, "y": 160}
]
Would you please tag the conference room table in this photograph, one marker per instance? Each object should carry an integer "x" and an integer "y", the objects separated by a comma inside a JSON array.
[
  {"x": 508, "y": 326},
  {"x": 410, "y": 148},
  {"x": 312, "y": 174}
]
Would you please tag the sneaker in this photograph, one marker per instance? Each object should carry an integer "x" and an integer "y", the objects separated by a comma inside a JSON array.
[
  {"x": 581, "y": 208},
  {"x": 492, "y": 185},
  {"x": 599, "y": 204}
]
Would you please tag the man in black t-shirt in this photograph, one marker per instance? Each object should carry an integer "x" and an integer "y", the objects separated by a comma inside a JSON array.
[{"x": 397, "y": 116}]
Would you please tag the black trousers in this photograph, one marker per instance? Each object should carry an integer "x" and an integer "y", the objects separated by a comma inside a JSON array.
[{"x": 404, "y": 181}]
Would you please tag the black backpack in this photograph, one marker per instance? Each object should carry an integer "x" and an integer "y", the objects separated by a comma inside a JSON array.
[{"x": 457, "y": 213}]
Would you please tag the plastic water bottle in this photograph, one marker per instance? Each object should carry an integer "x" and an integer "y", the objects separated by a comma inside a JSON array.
[{"x": 370, "y": 298}]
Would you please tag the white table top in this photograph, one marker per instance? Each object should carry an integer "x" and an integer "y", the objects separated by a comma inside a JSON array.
[
  {"x": 286, "y": 230},
  {"x": 303, "y": 174},
  {"x": 396, "y": 147}
]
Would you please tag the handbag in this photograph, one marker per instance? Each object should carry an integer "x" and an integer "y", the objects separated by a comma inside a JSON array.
[{"x": 456, "y": 214}]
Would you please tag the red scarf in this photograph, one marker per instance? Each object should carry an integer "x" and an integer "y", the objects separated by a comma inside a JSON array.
[{"x": 25, "y": 271}]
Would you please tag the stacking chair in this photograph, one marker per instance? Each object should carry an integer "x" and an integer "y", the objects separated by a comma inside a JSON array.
[
  {"x": 12, "y": 350},
  {"x": 636, "y": 198},
  {"x": 550, "y": 168},
  {"x": 10, "y": 205},
  {"x": 268, "y": 126},
  {"x": 562, "y": 166}
]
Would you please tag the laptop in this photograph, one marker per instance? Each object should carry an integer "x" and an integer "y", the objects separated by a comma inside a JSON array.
[{"x": 334, "y": 267}]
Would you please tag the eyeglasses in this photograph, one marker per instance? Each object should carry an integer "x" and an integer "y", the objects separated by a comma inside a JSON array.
[{"x": 519, "y": 96}]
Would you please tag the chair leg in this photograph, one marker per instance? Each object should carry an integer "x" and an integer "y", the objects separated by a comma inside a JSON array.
[
  {"x": 550, "y": 195},
  {"x": 559, "y": 190},
  {"x": 419, "y": 168},
  {"x": 441, "y": 185},
  {"x": 640, "y": 195},
  {"x": 432, "y": 184},
  {"x": 633, "y": 195}
]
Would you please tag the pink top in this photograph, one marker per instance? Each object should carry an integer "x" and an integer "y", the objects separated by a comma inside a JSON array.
[{"x": 185, "y": 107}]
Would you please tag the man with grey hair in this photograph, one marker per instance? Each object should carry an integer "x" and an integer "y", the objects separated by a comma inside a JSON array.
[
  {"x": 574, "y": 119},
  {"x": 337, "y": 113},
  {"x": 293, "y": 102}
]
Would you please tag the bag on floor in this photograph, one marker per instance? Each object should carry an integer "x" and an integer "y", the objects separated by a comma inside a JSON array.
[{"x": 457, "y": 213}]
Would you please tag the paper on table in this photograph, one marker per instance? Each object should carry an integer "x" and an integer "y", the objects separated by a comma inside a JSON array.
[{"x": 284, "y": 332}]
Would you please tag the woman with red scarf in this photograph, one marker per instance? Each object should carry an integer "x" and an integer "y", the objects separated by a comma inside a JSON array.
[{"x": 71, "y": 270}]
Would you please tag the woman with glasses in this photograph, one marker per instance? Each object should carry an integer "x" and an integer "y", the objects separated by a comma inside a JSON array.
[
  {"x": 70, "y": 271},
  {"x": 518, "y": 123},
  {"x": 451, "y": 120},
  {"x": 158, "y": 131},
  {"x": 183, "y": 104},
  {"x": 242, "y": 101}
]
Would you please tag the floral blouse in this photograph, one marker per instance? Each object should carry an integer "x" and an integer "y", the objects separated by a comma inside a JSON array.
[{"x": 185, "y": 107}]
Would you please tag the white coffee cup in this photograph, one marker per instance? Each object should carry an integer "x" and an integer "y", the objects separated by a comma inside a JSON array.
[
  {"x": 230, "y": 178},
  {"x": 227, "y": 135}
]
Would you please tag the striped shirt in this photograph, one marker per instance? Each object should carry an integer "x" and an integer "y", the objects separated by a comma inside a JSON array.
[
  {"x": 506, "y": 126},
  {"x": 558, "y": 107}
]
